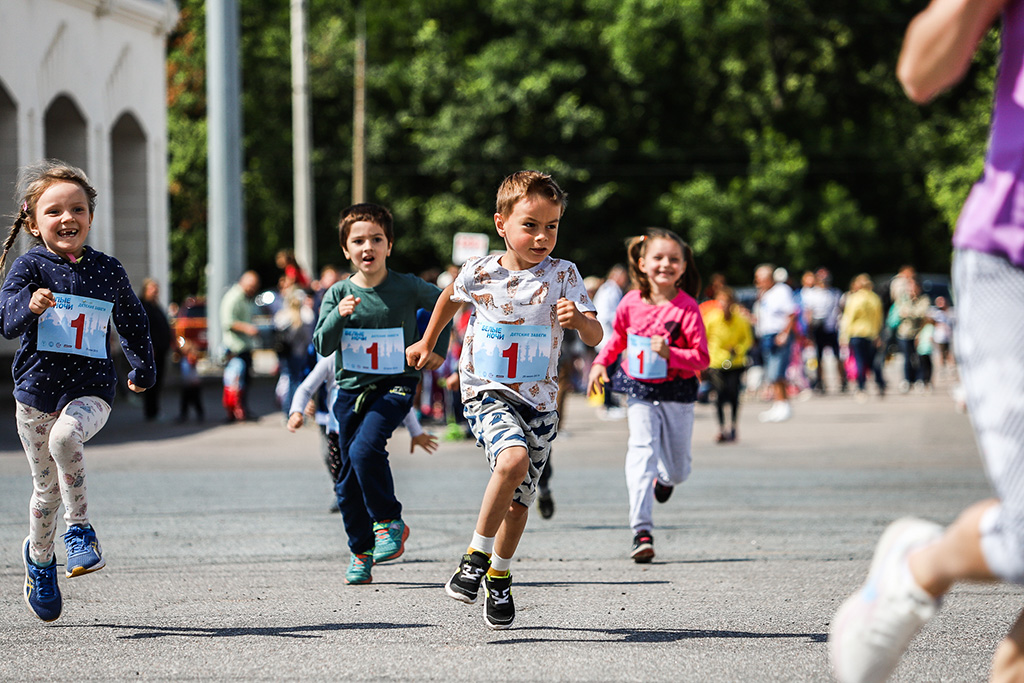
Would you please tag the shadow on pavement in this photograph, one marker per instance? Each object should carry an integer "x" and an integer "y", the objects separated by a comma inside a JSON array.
[
  {"x": 645, "y": 635},
  {"x": 315, "y": 631}
]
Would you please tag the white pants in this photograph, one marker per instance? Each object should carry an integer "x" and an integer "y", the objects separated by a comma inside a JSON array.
[
  {"x": 53, "y": 444},
  {"x": 990, "y": 327},
  {"x": 659, "y": 447}
]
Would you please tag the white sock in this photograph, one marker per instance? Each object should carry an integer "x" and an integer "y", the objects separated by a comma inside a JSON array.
[
  {"x": 484, "y": 544},
  {"x": 500, "y": 565}
]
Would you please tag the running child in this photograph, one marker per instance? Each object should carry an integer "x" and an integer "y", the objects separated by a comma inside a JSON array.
[
  {"x": 659, "y": 327},
  {"x": 59, "y": 298},
  {"x": 368, "y": 320},
  {"x": 508, "y": 372},
  {"x": 917, "y": 562}
]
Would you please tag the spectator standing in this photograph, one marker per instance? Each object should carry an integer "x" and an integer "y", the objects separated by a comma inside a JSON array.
[
  {"x": 160, "y": 334},
  {"x": 861, "y": 328},
  {"x": 239, "y": 332},
  {"x": 606, "y": 300},
  {"x": 775, "y": 318}
]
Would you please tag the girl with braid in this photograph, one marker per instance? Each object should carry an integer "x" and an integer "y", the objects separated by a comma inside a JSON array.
[{"x": 59, "y": 297}]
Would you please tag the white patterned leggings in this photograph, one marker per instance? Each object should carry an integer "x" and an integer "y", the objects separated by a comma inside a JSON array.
[{"x": 53, "y": 444}]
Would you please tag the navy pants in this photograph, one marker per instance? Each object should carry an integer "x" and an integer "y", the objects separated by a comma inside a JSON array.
[{"x": 365, "y": 487}]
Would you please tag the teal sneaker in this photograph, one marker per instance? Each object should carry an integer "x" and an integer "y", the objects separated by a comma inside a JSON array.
[
  {"x": 359, "y": 567},
  {"x": 390, "y": 538},
  {"x": 84, "y": 553},
  {"x": 42, "y": 595}
]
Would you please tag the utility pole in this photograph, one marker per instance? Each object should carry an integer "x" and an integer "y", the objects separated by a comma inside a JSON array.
[
  {"x": 225, "y": 215},
  {"x": 359, "y": 111},
  {"x": 303, "y": 230}
]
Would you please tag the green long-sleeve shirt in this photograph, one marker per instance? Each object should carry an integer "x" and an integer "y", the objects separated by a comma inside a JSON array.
[{"x": 388, "y": 306}]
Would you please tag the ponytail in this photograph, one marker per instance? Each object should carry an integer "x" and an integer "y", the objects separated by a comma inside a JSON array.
[
  {"x": 634, "y": 252},
  {"x": 13, "y": 234}
]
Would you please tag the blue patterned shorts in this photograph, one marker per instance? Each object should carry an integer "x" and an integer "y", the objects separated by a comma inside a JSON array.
[{"x": 498, "y": 423}]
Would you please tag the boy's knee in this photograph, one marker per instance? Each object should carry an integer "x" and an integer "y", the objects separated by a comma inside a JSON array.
[
  {"x": 517, "y": 511},
  {"x": 512, "y": 463}
]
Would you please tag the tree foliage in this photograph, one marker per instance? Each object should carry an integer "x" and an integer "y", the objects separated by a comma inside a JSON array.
[{"x": 758, "y": 130}]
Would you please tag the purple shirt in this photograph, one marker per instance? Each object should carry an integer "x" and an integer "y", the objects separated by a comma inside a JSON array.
[{"x": 992, "y": 220}]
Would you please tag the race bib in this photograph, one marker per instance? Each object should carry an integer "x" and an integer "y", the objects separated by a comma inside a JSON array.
[
  {"x": 378, "y": 352},
  {"x": 511, "y": 353},
  {"x": 643, "y": 362},
  {"x": 76, "y": 325}
]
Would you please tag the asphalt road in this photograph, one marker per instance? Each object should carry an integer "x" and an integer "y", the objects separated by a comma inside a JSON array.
[{"x": 224, "y": 564}]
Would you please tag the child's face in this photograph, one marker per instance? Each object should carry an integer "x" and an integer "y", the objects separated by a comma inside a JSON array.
[
  {"x": 530, "y": 231},
  {"x": 62, "y": 218},
  {"x": 367, "y": 247},
  {"x": 662, "y": 263}
]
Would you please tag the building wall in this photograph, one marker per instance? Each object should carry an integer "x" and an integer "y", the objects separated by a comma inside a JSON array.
[{"x": 85, "y": 80}]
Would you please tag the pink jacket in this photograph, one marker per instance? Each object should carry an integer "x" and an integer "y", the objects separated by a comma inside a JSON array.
[{"x": 679, "y": 321}]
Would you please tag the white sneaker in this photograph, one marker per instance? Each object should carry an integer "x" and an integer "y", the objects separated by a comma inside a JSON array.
[
  {"x": 873, "y": 628},
  {"x": 779, "y": 412}
]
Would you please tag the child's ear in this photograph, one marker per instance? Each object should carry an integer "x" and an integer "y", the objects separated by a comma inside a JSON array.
[
  {"x": 390, "y": 244},
  {"x": 499, "y": 223}
]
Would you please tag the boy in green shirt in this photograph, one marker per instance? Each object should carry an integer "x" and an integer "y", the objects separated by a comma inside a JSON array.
[{"x": 368, "y": 320}]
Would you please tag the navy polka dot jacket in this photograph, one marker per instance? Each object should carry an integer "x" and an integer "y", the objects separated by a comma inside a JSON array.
[{"x": 46, "y": 380}]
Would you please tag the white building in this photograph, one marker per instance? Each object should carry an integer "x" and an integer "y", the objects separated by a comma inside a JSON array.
[{"x": 84, "y": 81}]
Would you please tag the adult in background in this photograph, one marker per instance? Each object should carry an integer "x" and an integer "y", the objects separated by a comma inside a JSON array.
[
  {"x": 160, "y": 334},
  {"x": 917, "y": 562},
  {"x": 238, "y": 330},
  {"x": 912, "y": 311},
  {"x": 775, "y": 322},
  {"x": 606, "y": 300},
  {"x": 821, "y": 315},
  {"x": 861, "y": 329}
]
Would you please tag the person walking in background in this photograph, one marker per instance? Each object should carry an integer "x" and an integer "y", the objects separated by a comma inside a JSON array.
[
  {"x": 775, "y": 326},
  {"x": 912, "y": 311},
  {"x": 917, "y": 562},
  {"x": 606, "y": 300},
  {"x": 59, "y": 298},
  {"x": 944, "y": 317},
  {"x": 659, "y": 329},
  {"x": 508, "y": 373},
  {"x": 160, "y": 334},
  {"x": 239, "y": 336},
  {"x": 191, "y": 382},
  {"x": 861, "y": 329},
  {"x": 821, "y": 314},
  {"x": 729, "y": 339}
]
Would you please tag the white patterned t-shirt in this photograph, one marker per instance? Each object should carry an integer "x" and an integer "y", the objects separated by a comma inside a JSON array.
[{"x": 513, "y": 339}]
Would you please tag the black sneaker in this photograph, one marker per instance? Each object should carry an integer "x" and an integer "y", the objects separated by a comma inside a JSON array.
[
  {"x": 499, "y": 610},
  {"x": 465, "y": 583},
  {"x": 662, "y": 492},
  {"x": 643, "y": 547},
  {"x": 546, "y": 505}
]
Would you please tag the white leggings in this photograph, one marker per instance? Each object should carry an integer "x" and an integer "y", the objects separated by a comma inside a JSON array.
[
  {"x": 659, "y": 446},
  {"x": 989, "y": 350},
  {"x": 53, "y": 444}
]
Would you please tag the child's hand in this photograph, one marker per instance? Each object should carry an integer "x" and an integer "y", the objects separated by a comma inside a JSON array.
[
  {"x": 660, "y": 346},
  {"x": 41, "y": 300},
  {"x": 417, "y": 355},
  {"x": 295, "y": 420},
  {"x": 347, "y": 305},
  {"x": 452, "y": 382},
  {"x": 569, "y": 317},
  {"x": 427, "y": 442},
  {"x": 136, "y": 389},
  {"x": 598, "y": 378}
]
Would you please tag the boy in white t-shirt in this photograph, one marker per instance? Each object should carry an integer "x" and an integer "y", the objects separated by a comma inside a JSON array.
[{"x": 508, "y": 371}]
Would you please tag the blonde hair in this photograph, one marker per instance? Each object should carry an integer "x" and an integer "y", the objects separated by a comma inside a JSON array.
[
  {"x": 525, "y": 183},
  {"x": 33, "y": 180}
]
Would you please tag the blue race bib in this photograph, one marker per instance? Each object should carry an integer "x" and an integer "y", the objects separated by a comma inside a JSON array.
[
  {"x": 643, "y": 362},
  {"x": 377, "y": 352},
  {"x": 511, "y": 353},
  {"x": 75, "y": 325}
]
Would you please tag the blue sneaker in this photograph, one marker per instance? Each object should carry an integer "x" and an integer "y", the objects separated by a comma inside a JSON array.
[
  {"x": 84, "y": 553},
  {"x": 359, "y": 567},
  {"x": 42, "y": 595},
  {"x": 390, "y": 538}
]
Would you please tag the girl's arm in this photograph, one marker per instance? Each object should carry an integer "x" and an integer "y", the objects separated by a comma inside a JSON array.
[
  {"x": 694, "y": 357},
  {"x": 15, "y": 316},
  {"x": 133, "y": 327},
  {"x": 321, "y": 372},
  {"x": 940, "y": 43},
  {"x": 616, "y": 343}
]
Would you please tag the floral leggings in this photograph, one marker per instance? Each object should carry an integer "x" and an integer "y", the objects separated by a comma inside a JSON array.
[{"x": 53, "y": 444}]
